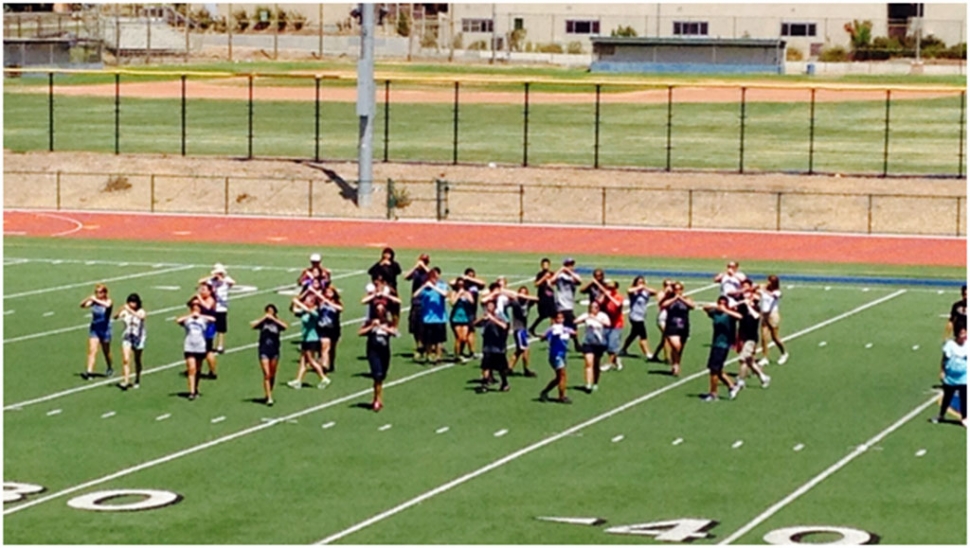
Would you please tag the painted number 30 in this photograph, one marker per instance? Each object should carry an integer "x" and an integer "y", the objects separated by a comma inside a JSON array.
[
  {"x": 689, "y": 529},
  {"x": 100, "y": 501}
]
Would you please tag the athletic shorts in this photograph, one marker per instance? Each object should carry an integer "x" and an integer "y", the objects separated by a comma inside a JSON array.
[
  {"x": 747, "y": 350},
  {"x": 329, "y": 332},
  {"x": 662, "y": 321},
  {"x": 455, "y": 324},
  {"x": 613, "y": 336},
  {"x": 209, "y": 345},
  {"x": 269, "y": 354},
  {"x": 199, "y": 356},
  {"x": 434, "y": 333},
  {"x": 594, "y": 349},
  {"x": 379, "y": 360},
  {"x": 557, "y": 361},
  {"x": 715, "y": 361},
  {"x": 521, "y": 337},
  {"x": 546, "y": 308},
  {"x": 495, "y": 362},
  {"x": 683, "y": 333},
  {"x": 414, "y": 319},
  {"x": 773, "y": 319},
  {"x": 103, "y": 334},
  {"x": 310, "y": 346},
  {"x": 132, "y": 341},
  {"x": 638, "y": 329},
  {"x": 222, "y": 322}
]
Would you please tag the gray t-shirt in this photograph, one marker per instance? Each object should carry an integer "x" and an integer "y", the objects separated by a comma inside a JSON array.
[
  {"x": 195, "y": 334},
  {"x": 638, "y": 305},
  {"x": 565, "y": 292}
]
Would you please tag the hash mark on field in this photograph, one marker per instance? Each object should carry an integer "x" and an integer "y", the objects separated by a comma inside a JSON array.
[
  {"x": 823, "y": 343},
  {"x": 46, "y": 314},
  {"x": 441, "y": 430},
  {"x": 170, "y": 318},
  {"x": 868, "y": 345},
  {"x": 939, "y": 292},
  {"x": 737, "y": 444},
  {"x": 677, "y": 441},
  {"x": 163, "y": 417},
  {"x": 108, "y": 415},
  {"x": 385, "y": 427},
  {"x": 122, "y": 264},
  {"x": 798, "y": 447},
  {"x": 293, "y": 270},
  {"x": 915, "y": 347},
  {"x": 921, "y": 452},
  {"x": 292, "y": 421},
  {"x": 257, "y": 268},
  {"x": 57, "y": 261},
  {"x": 328, "y": 425},
  {"x": 53, "y": 412},
  {"x": 617, "y": 438},
  {"x": 167, "y": 287},
  {"x": 6, "y": 312},
  {"x": 501, "y": 433},
  {"x": 828, "y": 288},
  {"x": 218, "y": 419},
  {"x": 865, "y": 289}
]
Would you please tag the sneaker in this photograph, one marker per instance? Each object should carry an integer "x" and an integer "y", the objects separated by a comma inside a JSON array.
[
  {"x": 212, "y": 376},
  {"x": 193, "y": 396},
  {"x": 220, "y": 350},
  {"x": 269, "y": 402},
  {"x": 649, "y": 358},
  {"x": 936, "y": 420},
  {"x": 136, "y": 385},
  {"x": 766, "y": 382},
  {"x": 123, "y": 386},
  {"x": 564, "y": 399},
  {"x": 589, "y": 389},
  {"x": 505, "y": 388},
  {"x": 735, "y": 389},
  {"x": 783, "y": 359},
  {"x": 708, "y": 397},
  {"x": 481, "y": 389},
  {"x": 543, "y": 396},
  {"x": 763, "y": 362},
  {"x": 619, "y": 365},
  {"x": 596, "y": 387},
  {"x": 86, "y": 376},
  {"x": 323, "y": 383},
  {"x": 295, "y": 384},
  {"x": 109, "y": 372},
  {"x": 529, "y": 373},
  {"x": 377, "y": 406},
  {"x": 606, "y": 367}
]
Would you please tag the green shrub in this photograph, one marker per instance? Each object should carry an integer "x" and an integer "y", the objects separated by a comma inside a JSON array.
[
  {"x": 516, "y": 39},
  {"x": 793, "y": 54},
  {"x": 574, "y": 47},
  {"x": 478, "y": 45},
  {"x": 403, "y": 26},
  {"x": 458, "y": 41},
  {"x": 623, "y": 32},
  {"x": 549, "y": 48},
  {"x": 241, "y": 19},
  {"x": 833, "y": 54}
]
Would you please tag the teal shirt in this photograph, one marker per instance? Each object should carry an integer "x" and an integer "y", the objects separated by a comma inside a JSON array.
[
  {"x": 955, "y": 366},
  {"x": 724, "y": 329},
  {"x": 308, "y": 326}
]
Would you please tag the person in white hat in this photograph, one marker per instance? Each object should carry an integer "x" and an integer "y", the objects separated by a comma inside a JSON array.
[
  {"x": 313, "y": 272},
  {"x": 220, "y": 282}
]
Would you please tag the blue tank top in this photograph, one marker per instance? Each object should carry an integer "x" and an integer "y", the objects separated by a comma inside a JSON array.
[
  {"x": 100, "y": 316},
  {"x": 210, "y": 328}
]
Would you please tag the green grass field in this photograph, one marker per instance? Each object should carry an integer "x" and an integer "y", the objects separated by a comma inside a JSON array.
[
  {"x": 848, "y": 136},
  {"x": 317, "y": 466}
]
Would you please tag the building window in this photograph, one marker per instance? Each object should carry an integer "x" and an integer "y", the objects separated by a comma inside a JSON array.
[
  {"x": 690, "y": 28},
  {"x": 517, "y": 24},
  {"x": 798, "y": 29},
  {"x": 476, "y": 25},
  {"x": 582, "y": 27}
]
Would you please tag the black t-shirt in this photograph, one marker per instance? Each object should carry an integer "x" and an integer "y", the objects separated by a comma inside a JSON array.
[
  {"x": 494, "y": 338},
  {"x": 958, "y": 315},
  {"x": 748, "y": 325},
  {"x": 546, "y": 292},
  {"x": 418, "y": 277},
  {"x": 387, "y": 272},
  {"x": 678, "y": 315},
  {"x": 520, "y": 313},
  {"x": 269, "y": 337}
]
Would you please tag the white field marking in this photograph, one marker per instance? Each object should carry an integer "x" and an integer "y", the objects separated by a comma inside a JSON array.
[
  {"x": 737, "y": 444},
  {"x": 822, "y": 343},
  {"x": 441, "y": 430},
  {"x": 47, "y": 314},
  {"x": 6, "y": 312},
  {"x": 939, "y": 292},
  {"x": 220, "y": 440},
  {"x": 207, "y": 266},
  {"x": 123, "y": 264},
  {"x": 14, "y": 262},
  {"x": 617, "y": 438},
  {"x": 828, "y": 288},
  {"x": 677, "y": 441},
  {"x": 164, "y": 310},
  {"x": 90, "y": 263},
  {"x": 108, "y": 415},
  {"x": 865, "y": 289},
  {"x": 92, "y": 282},
  {"x": 574, "y": 521},
  {"x": 170, "y": 318},
  {"x": 921, "y": 452},
  {"x": 52, "y": 412},
  {"x": 14, "y": 233},
  {"x": 790, "y": 286},
  {"x": 798, "y": 447},
  {"x": 292, "y": 421},
  {"x": 218, "y": 419},
  {"x": 77, "y": 224},
  {"x": 163, "y": 417},
  {"x": 57, "y": 261},
  {"x": 915, "y": 347},
  {"x": 328, "y": 425},
  {"x": 868, "y": 345},
  {"x": 569, "y": 431},
  {"x": 167, "y": 287},
  {"x": 385, "y": 427},
  {"x": 257, "y": 268},
  {"x": 827, "y": 472},
  {"x": 501, "y": 433}
]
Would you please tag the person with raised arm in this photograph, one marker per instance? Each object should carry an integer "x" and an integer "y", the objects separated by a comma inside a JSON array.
[
  {"x": 546, "y": 294},
  {"x": 520, "y": 306},
  {"x": 596, "y": 323},
  {"x": 611, "y": 302},
  {"x": 270, "y": 327},
  {"x": 194, "y": 347},
  {"x": 770, "y": 297},
  {"x": 461, "y": 317},
  {"x": 639, "y": 296},
  {"x": 730, "y": 281},
  {"x": 417, "y": 275},
  {"x": 748, "y": 327},
  {"x": 378, "y": 330},
  {"x": 388, "y": 269},
  {"x": 565, "y": 281},
  {"x": 663, "y": 344},
  {"x": 433, "y": 295},
  {"x": 723, "y": 318},
  {"x": 328, "y": 326},
  {"x": 132, "y": 339},
  {"x": 558, "y": 336},
  {"x": 220, "y": 282},
  {"x": 495, "y": 332},
  {"x": 99, "y": 333},
  {"x": 313, "y": 272},
  {"x": 677, "y": 325},
  {"x": 953, "y": 373},
  {"x": 306, "y": 310},
  {"x": 207, "y": 302}
]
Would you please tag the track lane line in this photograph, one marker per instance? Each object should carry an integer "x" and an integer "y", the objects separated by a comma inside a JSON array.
[
  {"x": 775, "y": 508},
  {"x": 572, "y": 430}
]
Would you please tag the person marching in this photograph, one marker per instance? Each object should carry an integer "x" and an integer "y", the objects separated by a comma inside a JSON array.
[
  {"x": 306, "y": 310},
  {"x": 520, "y": 334},
  {"x": 953, "y": 373},
  {"x": 313, "y": 272},
  {"x": 771, "y": 320},
  {"x": 730, "y": 281},
  {"x": 194, "y": 347},
  {"x": 132, "y": 339},
  {"x": 565, "y": 281},
  {"x": 379, "y": 330},
  {"x": 748, "y": 327},
  {"x": 612, "y": 305},
  {"x": 418, "y": 275},
  {"x": 328, "y": 326},
  {"x": 663, "y": 344},
  {"x": 99, "y": 333},
  {"x": 462, "y": 316},
  {"x": 269, "y": 326},
  {"x": 677, "y": 325},
  {"x": 558, "y": 336},
  {"x": 388, "y": 270},
  {"x": 495, "y": 332},
  {"x": 432, "y": 296},
  {"x": 475, "y": 287},
  {"x": 594, "y": 343},
  {"x": 723, "y": 319},
  {"x": 546, "y": 293},
  {"x": 207, "y": 303},
  {"x": 958, "y": 314},
  {"x": 220, "y": 282},
  {"x": 639, "y": 296}
]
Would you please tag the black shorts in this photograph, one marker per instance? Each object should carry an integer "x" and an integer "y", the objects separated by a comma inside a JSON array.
[
  {"x": 638, "y": 329},
  {"x": 209, "y": 345},
  {"x": 310, "y": 346},
  {"x": 546, "y": 308},
  {"x": 433, "y": 333},
  {"x": 329, "y": 332},
  {"x": 414, "y": 319},
  {"x": 199, "y": 356},
  {"x": 594, "y": 349},
  {"x": 269, "y": 353},
  {"x": 716, "y": 359},
  {"x": 495, "y": 361},
  {"x": 568, "y": 318},
  {"x": 222, "y": 322},
  {"x": 681, "y": 332},
  {"x": 379, "y": 359}
]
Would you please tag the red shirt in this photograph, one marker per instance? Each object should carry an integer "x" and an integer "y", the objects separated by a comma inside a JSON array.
[{"x": 614, "y": 311}]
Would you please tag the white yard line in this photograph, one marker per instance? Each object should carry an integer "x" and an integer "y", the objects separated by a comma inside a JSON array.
[
  {"x": 551, "y": 439},
  {"x": 775, "y": 508},
  {"x": 92, "y": 282},
  {"x": 88, "y": 262}
]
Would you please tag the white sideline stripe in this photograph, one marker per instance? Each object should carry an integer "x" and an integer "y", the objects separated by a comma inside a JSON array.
[
  {"x": 22, "y": 260},
  {"x": 569, "y": 431},
  {"x": 167, "y": 309},
  {"x": 92, "y": 282},
  {"x": 218, "y": 441},
  {"x": 827, "y": 472}
]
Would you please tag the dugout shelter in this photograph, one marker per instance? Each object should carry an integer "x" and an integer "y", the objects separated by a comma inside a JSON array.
[{"x": 688, "y": 55}]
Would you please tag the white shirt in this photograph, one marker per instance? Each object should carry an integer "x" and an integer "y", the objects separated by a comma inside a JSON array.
[
  {"x": 594, "y": 327},
  {"x": 732, "y": 284},
  {"x": 220, "y": 289},
  {"x": 134, "y": 326},
  {"x": 769, "y": 300}
]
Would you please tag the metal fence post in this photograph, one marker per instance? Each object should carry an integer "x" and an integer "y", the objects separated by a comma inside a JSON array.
[
  {"x": 250, "y": 137},
  {"x": 309, "y": 197},
  {"x": 58, "y": 184},
  {"x": 183, "y": 114},
  {"x": 811, "y": 135},
  {"x": 387, "y": 118},
  {"x": 963, "y": 108},
  {"x": 390, "y": 198},
  {"x": 316, "y": 121},
  {"x": 521, "y": 204},
  {"x": 670, "y": 115},
  {"x": 741, "y": 135},
  {"x": 454, "y": 147},
  {"x": 885, "y": 148},
  {"x": 603, "y": 207},
  {"x": 596, "y": 141},
  {"x": 690, "y": 208},
  {"x": 778, "y": 212},
  {"x": 117, "y": 112},
  {"x": 151, "y": 192},
  {"x": 227, "y": 196},
  {"x": 869, "y": 216},
  {"x": 525, "y": 129},
  {"x": 50, "y": 105}
]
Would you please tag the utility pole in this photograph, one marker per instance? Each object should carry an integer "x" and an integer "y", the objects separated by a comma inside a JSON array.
[
  {"x": 365, "y": 106},
  {"x": 492, "y": 60}
]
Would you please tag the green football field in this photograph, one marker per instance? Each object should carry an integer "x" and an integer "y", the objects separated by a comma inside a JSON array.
[{"x": 838, "y": 447}]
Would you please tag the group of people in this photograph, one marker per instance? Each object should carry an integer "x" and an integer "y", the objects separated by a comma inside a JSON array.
[{"x": 745, "y": 316}]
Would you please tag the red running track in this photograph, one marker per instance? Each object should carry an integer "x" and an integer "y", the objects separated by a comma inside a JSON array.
[{"x": 554, "y": 240}]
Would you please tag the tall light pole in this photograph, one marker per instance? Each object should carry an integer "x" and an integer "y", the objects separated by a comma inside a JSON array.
[
  {"x": 365, "y": 106},
  {"x": 492, "y": 60}
]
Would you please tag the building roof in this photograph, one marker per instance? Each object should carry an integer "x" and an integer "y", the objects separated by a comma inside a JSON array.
[{"x": 695, "y": 41}]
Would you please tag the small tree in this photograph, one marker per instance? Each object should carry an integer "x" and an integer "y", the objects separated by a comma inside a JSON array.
[
  {"x": 860, "y": 34},
  {"x": 516, "y": 39},
  {"x": 623, "y": 32},
  {"x": 403, "y": 23}
]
